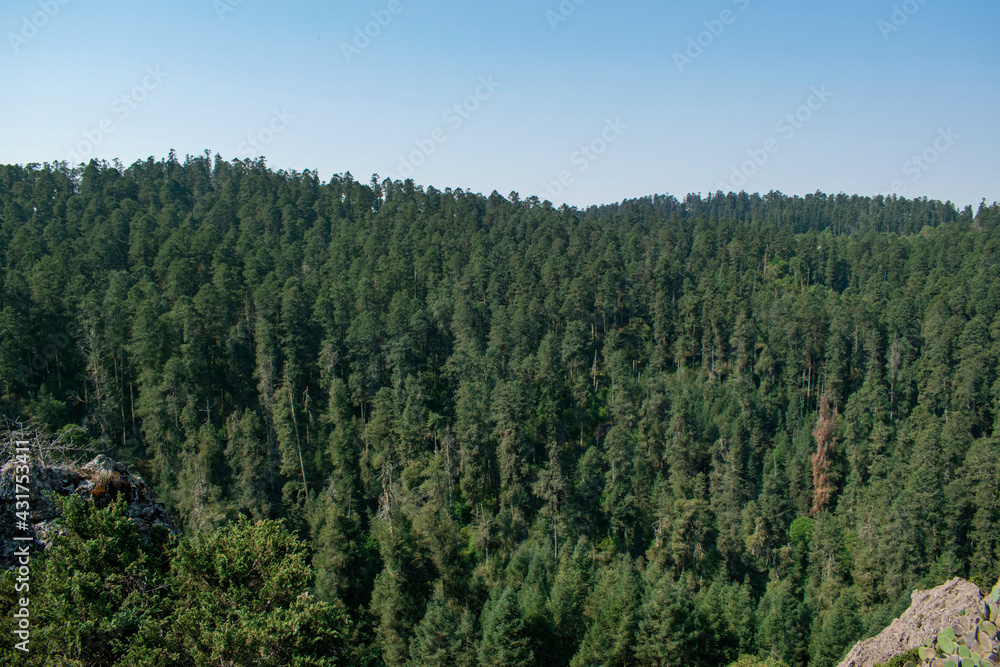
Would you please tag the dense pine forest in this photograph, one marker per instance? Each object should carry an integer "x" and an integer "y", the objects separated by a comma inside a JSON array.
[{"x": 492, "y": 431}]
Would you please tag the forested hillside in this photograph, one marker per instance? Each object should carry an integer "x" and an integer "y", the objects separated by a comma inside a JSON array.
[{"x": 659, "y": 432}]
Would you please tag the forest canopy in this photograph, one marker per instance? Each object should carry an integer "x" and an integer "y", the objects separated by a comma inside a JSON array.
[{"x": 657, "y": 432}]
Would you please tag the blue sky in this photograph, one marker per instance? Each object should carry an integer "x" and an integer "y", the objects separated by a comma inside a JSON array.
[{"x": 576, "y": 101}]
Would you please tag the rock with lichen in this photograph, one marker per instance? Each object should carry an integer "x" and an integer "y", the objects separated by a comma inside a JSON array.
[
  {"x": 100, "y": 481},
  {"x": 928, "y": 613}
]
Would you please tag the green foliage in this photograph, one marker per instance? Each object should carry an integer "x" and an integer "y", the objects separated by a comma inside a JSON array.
[
  {"x": 783, "y": 621},
  {"x": 839, "y": 629},
  {"x": 800, "y": 532},
  {"x": 443, "y": 637},
  {"x": 902, "y": 660},
  {"x": 750, "y": 661},
  {"x": 617, "y": 413},
  {"x": 504, "y": 642},
  {"x": 97, "y": 586},
  {"x": 399, "y": 589},
  {"x": 566, "y": 603},
  {"x": 670, "y": 631},
  {"x": 91, "y": 593},
  {"x": 613, "y": 611},
  {"x": 240, "y": 596}
]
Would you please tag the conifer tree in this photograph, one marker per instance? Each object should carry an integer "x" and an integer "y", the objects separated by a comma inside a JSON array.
[
  {"x": 440, "y": 639},
  {"x": 613, "y": 611},
  {"x": 504, "y": 642}
]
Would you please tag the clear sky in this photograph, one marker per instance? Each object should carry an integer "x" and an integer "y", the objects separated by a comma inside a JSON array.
[{"x": 577, "y": 101}]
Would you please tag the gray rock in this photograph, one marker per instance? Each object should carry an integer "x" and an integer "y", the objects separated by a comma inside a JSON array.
[
  {"x": 100, "y": 481},
  {"x": 928, "y": 613}
]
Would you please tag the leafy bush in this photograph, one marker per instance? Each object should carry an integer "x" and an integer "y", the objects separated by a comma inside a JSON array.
[
  {"x": 901, "y": 660},
  {"x": 103, "y": 596},
  {"x": 239, "y": 596}
]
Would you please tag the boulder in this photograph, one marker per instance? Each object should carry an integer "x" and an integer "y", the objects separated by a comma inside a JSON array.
[
  {"x": 928, "y": 613},
  {"x": 99, "y": 481}
]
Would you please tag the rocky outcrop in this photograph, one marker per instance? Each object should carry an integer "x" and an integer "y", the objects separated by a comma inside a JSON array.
[
  {"x": 928, "y": 613},
  {"x": 100, "y": 481}
]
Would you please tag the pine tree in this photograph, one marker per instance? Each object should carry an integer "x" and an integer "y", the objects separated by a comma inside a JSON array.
[
  {"x": 668, "y": 632},
  {"x": 438, "y": 641},
  {"x": 246, "y": 456},
  {"x": 504, "y": 642},
  {"x": 400, "y": 589},
  {"x": 613, "y": 610},
  {"x": 837, "y": 630},
  {"x": 782, "y": 630},
  {"x": 567, "y": 601}
]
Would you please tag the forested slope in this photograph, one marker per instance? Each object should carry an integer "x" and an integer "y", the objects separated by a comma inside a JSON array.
[{"x": 647, "y": 433}]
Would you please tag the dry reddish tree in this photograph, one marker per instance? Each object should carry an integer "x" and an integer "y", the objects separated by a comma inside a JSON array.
[{"x": 824, "y": 432}]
